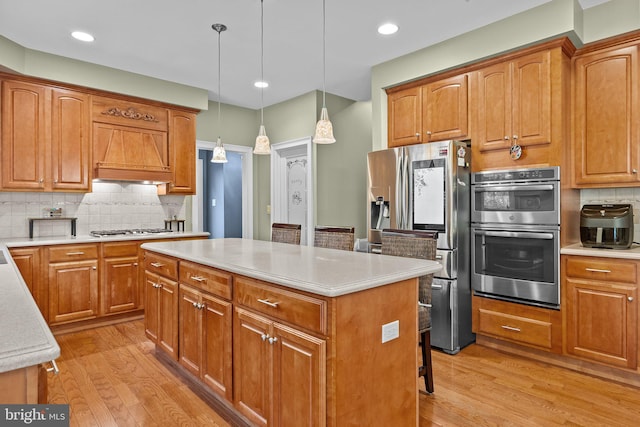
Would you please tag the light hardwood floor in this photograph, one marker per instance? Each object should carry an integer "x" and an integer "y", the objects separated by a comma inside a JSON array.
[{"x": 111, "y": 377}]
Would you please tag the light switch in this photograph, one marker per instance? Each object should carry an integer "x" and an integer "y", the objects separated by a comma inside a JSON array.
[
  {"x": 268, "y": 209},
  {"x": 213, "y": 203},
  {"x": 390, "y": 331}
]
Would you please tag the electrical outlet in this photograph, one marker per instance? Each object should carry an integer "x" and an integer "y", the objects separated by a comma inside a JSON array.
[{"x": 390, "y": 331}]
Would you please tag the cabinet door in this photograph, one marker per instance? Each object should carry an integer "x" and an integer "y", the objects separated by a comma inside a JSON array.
[
  {"x": 299, "y": 374},
  {"x": 445, "y": 110},
  {"x": 152, "y": 306},
  {"x": 73, "y": 291},
  {"x": 216, "y": 340},
  {"x": 70, "y": 155},
  {"x": 405, "y": 117},
  {"x": 252, "y": 366},
  {"x": 182, "y": 145},
  {"x": 23, "y": 136},
  {"x": 602, "y": 321},
  {"x": 605, "y": 125},
  {"x": 28, "y": 262},
  {"x": 190, "y": 331},
  {"x": 493, "y": 107},
  {"x": 119, "y": 284},
  {"x": 168, "y": 317}
]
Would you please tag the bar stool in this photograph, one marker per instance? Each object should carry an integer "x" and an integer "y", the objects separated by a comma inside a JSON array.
[
  {"x": 286, "y": 233},
  {"x": 334, "y": 237}
]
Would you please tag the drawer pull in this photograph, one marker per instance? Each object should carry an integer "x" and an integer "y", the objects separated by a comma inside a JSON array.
[
  {"x": 597, "y": 270},
  {"x": 75, "y": 253},
  {"x": 269, "y": 303},
  {"x": 157, "y": 264},
  {"x": 264, "y": 337},
  {"x": 53, "y": 368},
  {"x": 273, "y": 339},
  {"x": 510, "y": 328},
  {"x": 198, "y": 279},
  {"x": 630, "y": 299},
  {"x": 421, "y": 304}
]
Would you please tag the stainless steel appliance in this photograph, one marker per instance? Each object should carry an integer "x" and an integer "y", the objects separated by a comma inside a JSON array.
[
  {"x": 427, "y": 187},
  {"x": 606, "y": 226},
  {"x": 131, "y": 231},
  {"x": 515, "y": 235}
]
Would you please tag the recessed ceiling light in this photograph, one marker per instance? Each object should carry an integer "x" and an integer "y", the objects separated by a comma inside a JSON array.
[
  {"x": 386, "y": 29},
  {"x": 82, "y": 36},
  {"x": 261, "y": 85}
]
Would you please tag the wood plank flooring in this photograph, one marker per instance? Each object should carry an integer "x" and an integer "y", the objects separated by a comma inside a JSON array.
[{"x": 111, "y": 377}]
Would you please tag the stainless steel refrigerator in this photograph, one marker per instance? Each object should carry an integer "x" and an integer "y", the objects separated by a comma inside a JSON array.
[{"x": 427, "y": 187}]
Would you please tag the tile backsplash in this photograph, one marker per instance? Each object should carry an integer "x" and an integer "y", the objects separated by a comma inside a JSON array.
[
  {"x": 613, "y": 196},
  {"x": 111, "y": 205}
]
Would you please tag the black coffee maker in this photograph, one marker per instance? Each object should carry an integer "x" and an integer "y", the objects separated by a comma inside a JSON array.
[{"x": 606, "y": 226}]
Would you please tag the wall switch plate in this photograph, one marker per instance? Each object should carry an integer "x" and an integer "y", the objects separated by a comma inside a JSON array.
[
  {"x": 390, "y": 331},
  {"x": 213, "y": 203}
]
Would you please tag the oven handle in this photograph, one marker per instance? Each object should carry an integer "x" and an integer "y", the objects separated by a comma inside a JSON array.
[
  {"x": 515, "y": 234},
  {"x": 541, "y": 187}
]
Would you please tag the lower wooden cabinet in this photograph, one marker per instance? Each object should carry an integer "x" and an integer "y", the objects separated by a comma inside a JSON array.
[
  {"x": 205, "y": 339},
  {"x": 120, "y": 272},
  {"x": 28, "y": 262},
  {"x": 24, "y": 386},
  {"x": 601, "y": 302},
  {"x": 161, "y": 312}
]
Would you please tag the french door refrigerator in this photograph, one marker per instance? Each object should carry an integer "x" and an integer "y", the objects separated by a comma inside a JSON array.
[{"x": 427, "y": 187}]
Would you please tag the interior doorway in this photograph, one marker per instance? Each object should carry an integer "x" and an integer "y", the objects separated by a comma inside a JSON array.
[
  {"x": 223, "y": 203},
  {"x": 292, "y": 185}
]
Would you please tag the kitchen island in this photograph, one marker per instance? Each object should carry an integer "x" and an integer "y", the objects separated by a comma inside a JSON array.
[{"x": 289, "y": 335}]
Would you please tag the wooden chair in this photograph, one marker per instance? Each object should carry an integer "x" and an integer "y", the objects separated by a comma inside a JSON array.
[
  {"x": 286, "y": 233},
  {"x": 417, "y": 244},
  {"x": 334, "y": 237}
]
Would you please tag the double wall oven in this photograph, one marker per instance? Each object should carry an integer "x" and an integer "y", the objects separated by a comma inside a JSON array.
[{"x": 515, "y": 241}]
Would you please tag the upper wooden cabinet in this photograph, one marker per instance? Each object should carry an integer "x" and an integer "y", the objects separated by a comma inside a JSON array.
[
  {"x": 605, "y": 138},
  {"x": 432, "y": 112},
  {"x": 182, "y": 143},
  {"x": 45, "y": 138}
]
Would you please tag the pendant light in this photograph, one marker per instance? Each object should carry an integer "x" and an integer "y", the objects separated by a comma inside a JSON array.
[
  {"x": 262, "y": 140},
  {"x": 219, "y": 153},
  {"x": 324, "y": 128}
]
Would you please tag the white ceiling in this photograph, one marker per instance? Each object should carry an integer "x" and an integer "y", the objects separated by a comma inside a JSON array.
[{"x": 173, "y": 40}]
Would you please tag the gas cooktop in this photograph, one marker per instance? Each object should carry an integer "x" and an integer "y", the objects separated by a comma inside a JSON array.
[{"x": 104, "y": 233}]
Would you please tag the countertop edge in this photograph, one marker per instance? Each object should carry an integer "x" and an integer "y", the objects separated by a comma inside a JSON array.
[
  {"x": 578, "y": 249},
  {"x": 69, "y": 240}
]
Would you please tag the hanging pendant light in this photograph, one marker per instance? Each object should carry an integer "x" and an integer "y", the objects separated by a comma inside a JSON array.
[
  {"x": 219, "y": 153},
  {"x": 262, "y": 140},
  {"x": 324, "y": 128}
]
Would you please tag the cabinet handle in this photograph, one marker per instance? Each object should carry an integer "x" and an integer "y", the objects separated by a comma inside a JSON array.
[
  {"x": 198, "y": 279},
  {"x": 75, "y": 253},
  {"x": 421, "y": 304},
  {"x": 417, "y": 135},
  {"x": 94, "y": 268},
  {"x": 634, "y": 170},
  {"x": 53, "y": 368},
  {"x": 155, "y": 285},
  {"x": 157, "y": 264},
  {"x": 135, "y": 264},
  {"x": 201, "y": 306},
  {"x": 264, "y": 337},
  {"x": 269, "y": 303},
  {"x": 195, "y": 305},
  {"x": 428, "y": 133},
  {"x": 630, "y": 299},
  {"x": 41, "y": 180},
  {"x": 506, "y": 138},
  {"x": 273, "y": 339},
  {"x": 510, "y": 328},
  {"x": 597, "y": 270},
  {"x": 515, "y": 137}
]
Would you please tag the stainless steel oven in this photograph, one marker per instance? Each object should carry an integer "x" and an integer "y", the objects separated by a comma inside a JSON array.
[{"x": 515, "y": 242}]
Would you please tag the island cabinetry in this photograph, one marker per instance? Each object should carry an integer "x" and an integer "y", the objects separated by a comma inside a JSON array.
[
  {"x": 120, "y": 277},
  {"x": 527, "y": 325},
  {"x": 279, "y": 370},
  {"x": 161, "y": 302},
  {"x": 72, "y": 282},
  {"x": 28, "y": 262},
  {"x": 431, "y": 112},
  {"x": 606, "y": 132},
  {"x": 45, "y": 138},
  {"x": 205, "y": 326},
  {"x": 601, "y": 301}
]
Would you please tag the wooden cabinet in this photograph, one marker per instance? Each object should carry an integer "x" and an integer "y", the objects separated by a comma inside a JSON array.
[
  {"x": 120, "y": 273},
  {"x": 279, "y": 369},
  {"x": 161, "y": 302},
  {"x": 72, "y": 282},
  {"x": 605, "y": 138},
  {"x": 182, "y": 143},
  {"x": 28, "y": 262},
  {"x": 24, "y": 386},
  {"x": 45, "y": 138},
  {"x": 531, "y": 326},
  {"x": 601, "y": 304},
  {"x": 432, "y": 112}
]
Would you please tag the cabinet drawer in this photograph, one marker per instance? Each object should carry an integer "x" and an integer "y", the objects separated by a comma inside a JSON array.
[
  {"x": 297, "y": 309},
  {"x": 516, "y": 328},
  {"x": 162, "y": 265},
  {"x": 120, "y": 249},
  {"x": 606, "y": 269},
  {"x": 206, "y": 279},
  {"x": 72, "y": 253}
]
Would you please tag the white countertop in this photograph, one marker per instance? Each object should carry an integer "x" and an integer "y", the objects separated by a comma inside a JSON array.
[
  {"x": 25, "y": 338},
  {"x": 63, "y": 240},
  {"x": 327, "y": 272},
  {"x": 578, "y": 249}
]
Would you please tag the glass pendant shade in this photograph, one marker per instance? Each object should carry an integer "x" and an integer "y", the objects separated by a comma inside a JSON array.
[
  {"x": 219, "y": 153},
  {"x": 262, "y": 142},
  {"x": 324, "y": 129}
]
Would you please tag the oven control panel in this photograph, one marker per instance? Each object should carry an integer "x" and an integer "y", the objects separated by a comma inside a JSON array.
[{"x": 515, "y": 175}]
